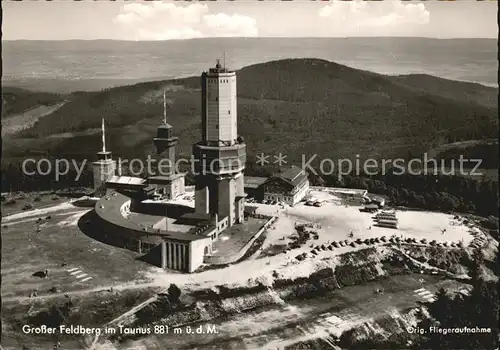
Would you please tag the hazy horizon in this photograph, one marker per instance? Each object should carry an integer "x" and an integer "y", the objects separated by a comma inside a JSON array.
[{"x": 70, "y": 65}]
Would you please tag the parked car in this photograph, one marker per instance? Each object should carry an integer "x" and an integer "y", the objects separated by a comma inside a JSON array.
[
  {"x": 335, "y": 244},
  {"x": 55, "y": 290},
  {"x": 28, "y": 206}
]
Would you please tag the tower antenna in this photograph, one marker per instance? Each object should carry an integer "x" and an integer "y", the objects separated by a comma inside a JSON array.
[
  {"x": 224, "y": 60},
  {"x": 103, "y": 137},
  {"x": 164, "y": 108}
]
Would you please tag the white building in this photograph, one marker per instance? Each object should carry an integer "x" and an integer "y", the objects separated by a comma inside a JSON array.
[{"x": 289, "y": 186}]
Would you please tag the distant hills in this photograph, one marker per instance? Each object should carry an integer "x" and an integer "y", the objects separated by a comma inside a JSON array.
[
  {"x": 90, "y": 65},
  {"x": 294, "y": 106}
]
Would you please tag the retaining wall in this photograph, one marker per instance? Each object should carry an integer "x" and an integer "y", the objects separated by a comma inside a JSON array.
[{"x": 231, "y": 258}]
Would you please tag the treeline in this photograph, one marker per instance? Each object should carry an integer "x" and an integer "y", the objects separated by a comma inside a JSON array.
[
  {"x": 429, "y": 192},
  {"x": 478, "y": 309},
  {"x": 486, "y": 152},
  {"x": 439, "y": 192},
  {"x": 16, "y": 100},
  {"x": 15, "y": 179}
]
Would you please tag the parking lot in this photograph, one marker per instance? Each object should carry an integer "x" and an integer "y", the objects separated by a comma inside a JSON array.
[{"x": 350, "y": 227}]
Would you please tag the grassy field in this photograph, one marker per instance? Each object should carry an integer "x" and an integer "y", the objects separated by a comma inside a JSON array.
[
  {"x": 70, "y": 257},
  {"x": 59, "y": 242},
  {"x": 24, "y": 120}
]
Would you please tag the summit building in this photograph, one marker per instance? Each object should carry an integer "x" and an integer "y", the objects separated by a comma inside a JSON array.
[{"x": 220, "y": 156}]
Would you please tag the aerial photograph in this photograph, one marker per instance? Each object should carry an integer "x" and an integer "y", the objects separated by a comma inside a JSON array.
[{"x": 253, "y": 175}]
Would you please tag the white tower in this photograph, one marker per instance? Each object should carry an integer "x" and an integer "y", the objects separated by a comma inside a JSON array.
[
  {"x": 221, "y": 154},
  {"x": 104, "y": 168},
  {"x": 219, "y": 113}
]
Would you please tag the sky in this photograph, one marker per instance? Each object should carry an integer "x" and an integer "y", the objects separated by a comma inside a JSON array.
[{"x": 139, "y": 20}]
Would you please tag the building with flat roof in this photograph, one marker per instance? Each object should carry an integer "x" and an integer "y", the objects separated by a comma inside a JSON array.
[{"x": 136, "y": 213}]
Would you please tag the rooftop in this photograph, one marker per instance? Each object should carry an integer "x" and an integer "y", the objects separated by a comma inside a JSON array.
[
  {"x": 109, "y": 209},
  {"x": 127, "y": 180},
  {"x": 293, "y": 174},
  {"x": 165, "y": 126},
  {"x": 159, "y": 179},
  {"x": 254, "y": 181}
]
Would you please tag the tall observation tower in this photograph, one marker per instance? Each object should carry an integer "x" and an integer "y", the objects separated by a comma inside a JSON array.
[{"x": 220, "y": 156}]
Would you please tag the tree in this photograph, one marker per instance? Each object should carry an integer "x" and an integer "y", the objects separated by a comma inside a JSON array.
[
  {"x": 479, "y": 309},
  {"x": 174, "y": 293}
]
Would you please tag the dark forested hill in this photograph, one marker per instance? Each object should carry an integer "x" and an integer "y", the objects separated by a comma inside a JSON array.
[
  {"x": 16, "y": 100},
  {"x": 295, "y": 106}
]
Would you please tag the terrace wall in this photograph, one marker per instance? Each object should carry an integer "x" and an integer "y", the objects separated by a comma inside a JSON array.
[{"x": 231, "y": 258}]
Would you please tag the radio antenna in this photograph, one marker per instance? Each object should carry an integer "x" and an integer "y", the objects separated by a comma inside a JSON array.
[
  {"x": 103, "y": 137},
  {"x": 164, "y": 108}
]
